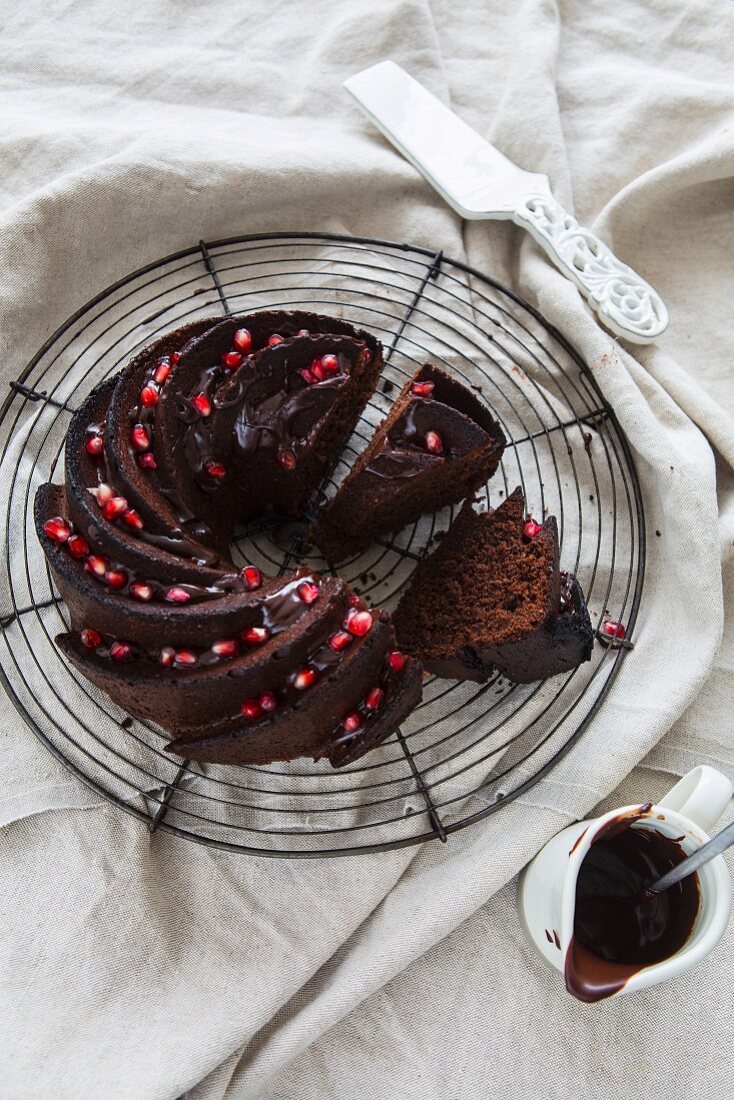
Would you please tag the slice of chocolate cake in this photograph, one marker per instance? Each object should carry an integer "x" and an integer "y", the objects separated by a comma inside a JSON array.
[
  {"x": 492, "y": 597},
  {"x": 438, "y": 444}
]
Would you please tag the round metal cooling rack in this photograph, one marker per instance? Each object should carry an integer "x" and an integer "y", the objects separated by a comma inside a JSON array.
[{"x": 467, "y": 749}]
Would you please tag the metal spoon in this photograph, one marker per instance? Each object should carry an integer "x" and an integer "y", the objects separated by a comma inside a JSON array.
[{"x": 686, "y": 867}]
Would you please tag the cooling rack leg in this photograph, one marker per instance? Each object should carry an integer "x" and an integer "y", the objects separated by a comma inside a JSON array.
[
  {"x": 215, "y": 277},
  {"x": 432, "y": 811},
  {"x": 167, "y": 796}
]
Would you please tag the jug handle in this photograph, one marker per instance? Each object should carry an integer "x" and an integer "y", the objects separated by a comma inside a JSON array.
[{"x": 701, "y": 795}]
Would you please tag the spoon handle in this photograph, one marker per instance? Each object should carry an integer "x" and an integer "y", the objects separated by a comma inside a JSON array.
[{"x": 686, "y": 867}]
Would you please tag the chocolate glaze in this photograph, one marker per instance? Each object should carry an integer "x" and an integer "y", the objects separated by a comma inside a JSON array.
[{"x": 619, "y": 927}]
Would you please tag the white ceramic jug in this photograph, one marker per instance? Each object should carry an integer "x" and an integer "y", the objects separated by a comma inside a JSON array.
[{"x": 547, "y": 892}]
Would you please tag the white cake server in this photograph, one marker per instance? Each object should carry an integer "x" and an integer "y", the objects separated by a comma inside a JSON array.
[{"x": 480, "y": 182}]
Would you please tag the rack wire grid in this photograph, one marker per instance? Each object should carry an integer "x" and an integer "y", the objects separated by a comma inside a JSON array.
[{"x": 467, "y": 749}]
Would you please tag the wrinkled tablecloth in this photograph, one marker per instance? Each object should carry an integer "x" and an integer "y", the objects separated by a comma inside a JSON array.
[{"x": 139, "y": 967}]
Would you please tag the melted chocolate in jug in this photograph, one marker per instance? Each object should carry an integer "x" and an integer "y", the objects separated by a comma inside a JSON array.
[{"x": 619, "y": 928}]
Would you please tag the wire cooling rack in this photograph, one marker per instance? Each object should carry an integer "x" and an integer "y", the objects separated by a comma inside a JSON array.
[{"x": 467, "y": 749}]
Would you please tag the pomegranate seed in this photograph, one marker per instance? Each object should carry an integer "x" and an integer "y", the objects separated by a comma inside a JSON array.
[
  {"x": 434, "y": 443},
  {"x": 305, "y": 678},
  {"x": 422, "y": 389},
  {"x": 147, "y": 461},
  {"x": 94, "y": 445},
  {"x": 202, "y": 404},
  {"x": 354, "y": 600},
  {"x": 132, "y": 519},
  {"x": 255, "y": 635},
  {"x": 242, "y": 340},
  {"x": 366, "y": 355},
  {"x": 352, "y": 722},
  {"x": 330, "y": 363},
  {"x": 531, "y": 528},
  {"x": 177, "y": 595},
  {"x": 163, "y": 370},
  {"x": 140, "y": 437},
  {"x": 149, "y": 396},
  {"x": 374, "y": 698},
  {"x": 308, "y": 376},
  {"x": 276, "y": 338},
  {"x": 176, "y": 358},
  {"x": 308, "y": 592},
  {"x": 215, "y": 470},
  {"x": 141, "y": 591},
  {"x": 90, "y": 638},
  {"x": 116, "y": 578},
  {"x": 268, "y": 701},
  {"x": 184, "y": 658},
  {"x": 286, "y": 458},
  {"x": 96, "y": 564},
  {"x": 251, "y": 709},
  {"x": 78, "y": 546},
  {"x": 57, "y": 529},
  {"x": 303, "y": 332},
  {"x": 251, "y": 577},
  {"x": 168, "y": 655},
  {"x": 226, "y": 647},
  {"x": 359, "y": 623},
  {"x": 114, "y": 507},
  {"x": 613, "y": 629},
  {"x": 121, "y": 651},
  {"x": 231, "y": 360},
  {"x": 396, "y": 660},
  {"x": 103, "y": 493},
  {"x": 340, "y": 641},
  {"x": 317, "y": 370}
]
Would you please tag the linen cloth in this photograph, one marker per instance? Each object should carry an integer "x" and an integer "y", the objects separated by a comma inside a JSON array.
[{"x": 138, "y": 967}]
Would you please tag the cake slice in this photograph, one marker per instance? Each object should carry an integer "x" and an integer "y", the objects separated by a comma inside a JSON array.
[
  {"x": 492, "y": 598},
  {"x": 438, "y": 444}
]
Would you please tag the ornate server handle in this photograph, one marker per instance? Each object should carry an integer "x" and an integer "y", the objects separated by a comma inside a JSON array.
[{"x": 627, "y": 305}]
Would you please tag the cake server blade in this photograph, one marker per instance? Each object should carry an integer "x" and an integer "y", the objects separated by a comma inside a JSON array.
[{"x": 480, "y": 182}]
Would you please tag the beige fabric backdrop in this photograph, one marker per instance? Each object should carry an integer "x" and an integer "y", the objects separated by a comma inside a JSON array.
[{"x": 138, "y": 968}]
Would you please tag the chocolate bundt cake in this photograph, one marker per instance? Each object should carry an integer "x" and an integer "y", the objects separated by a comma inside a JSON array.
[
  {"x": 211, "y": 425},
  {"x": 492, "y": 598},
  {"x": 438, "y": 444}
]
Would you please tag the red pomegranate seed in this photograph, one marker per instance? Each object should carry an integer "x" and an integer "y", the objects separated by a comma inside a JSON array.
[
  {"x": 434, "y": 443},
  {"x": 116, "y": 578},
  {"x": 242, "y": 340},
  {"x": 147, "y": 461},
  {"x": 308, "y": 592},
  {"x": 177, "y": 595},
  {"x": 141, "y": 591},
  {"x": 78, "y": 546},
  {"x": 531, "y": 528},
  {"x": 422, "y": 389},
  {"x": 276, "y": 338},
  {"x": 303, "y": 332},
  {"x": 366, "y": 355},
  {"x": 374, "y": 698},
  {"x": 121, "y": 651},
  {"x": 168, "y": 655},
  {"x": 57, "y": 529},
  {"x": 396, "y": 660},
  {"x": 96, "y": 564},
  {"x": 251, "y": 577},
  {"x": 149, "y": 396},
  {"x": 330, "y": 363},
  {"x": 308, "y": 376},
  {"x": 103, "y": 493},
  {"x": 202, "y": 404},
  {"x": 317, "y": 370},
  {"x": 231, "y": 360},
  {"x": 305, "y": 678},
  {"x": 352, "y": 722},
  {"x": 251, "y": 709},
  {"x": 140, "y": 437},
  {"x": 268, "y": 701},
  {"x": 613, "y": 629},
  {"x": 215, "y": 470},
  {"x": 90, "y": 638},
  {"x": 339, "y": 641},
  {"x": 359, "y": 623},
  {"x": 255, "y": 635},
  {"x": 226, "y": 647},
  {"x": 354, "y": 600},
  {"x": 114, "y": 507},
  {"x": 176, "y": 357},
  {"x": 94, "y": 446},
  {"x": 286, "y": 458},
  {"x": 185, "y": 658},
  {"x": 132, "y": 520},
  {"x": 163, "y": 370}
]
